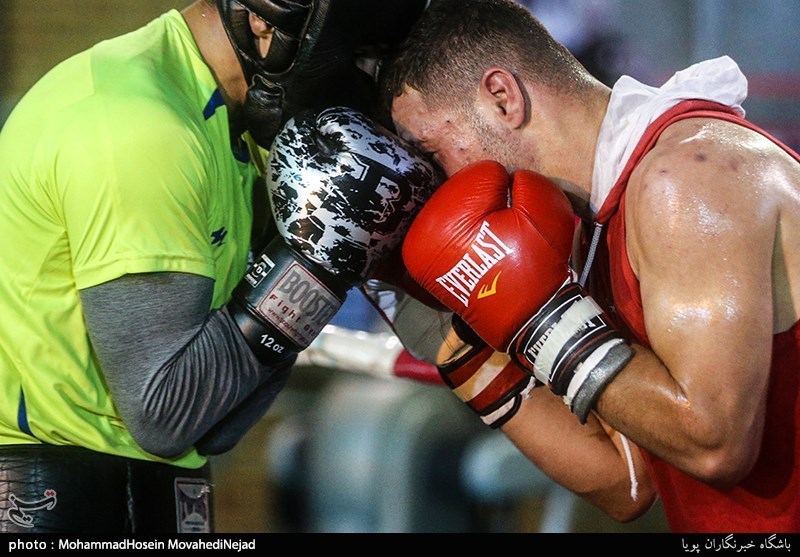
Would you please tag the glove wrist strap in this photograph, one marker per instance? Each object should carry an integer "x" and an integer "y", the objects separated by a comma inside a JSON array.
[
  {"x": 571, "y": 345},
  {"x": 284, "y": 301},
  {"x": 488, "y": 382}
]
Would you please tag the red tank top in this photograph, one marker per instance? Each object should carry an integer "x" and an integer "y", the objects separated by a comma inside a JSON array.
[{"x": 768, "y": 499}]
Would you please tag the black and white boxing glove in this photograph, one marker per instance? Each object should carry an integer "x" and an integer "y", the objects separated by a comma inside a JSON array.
[{"x": 343, "y": 191}]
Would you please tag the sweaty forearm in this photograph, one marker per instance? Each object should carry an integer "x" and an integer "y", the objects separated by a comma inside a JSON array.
[
  {"x": 173, "y": 369},
  {"x": 677, "y": 422},
  {"x": 585, "y": 459}
]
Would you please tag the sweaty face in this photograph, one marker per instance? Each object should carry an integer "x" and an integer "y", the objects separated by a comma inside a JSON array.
[{"x": 452, "y": 139}]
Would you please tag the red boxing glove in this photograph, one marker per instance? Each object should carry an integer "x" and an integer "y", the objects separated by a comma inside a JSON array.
[
  {"x": 392, "y": 271},
  {"x": 487, "y": 381},
  {"x": 495, "y": 249},
  {"x": 491, "y": 248}
]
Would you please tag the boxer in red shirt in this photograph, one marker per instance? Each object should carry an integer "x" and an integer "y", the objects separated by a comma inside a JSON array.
[{"x": 675, "y": 328}]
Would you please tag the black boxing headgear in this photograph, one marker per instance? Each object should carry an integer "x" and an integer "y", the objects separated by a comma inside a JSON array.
[{"x": 311, "y": 62}]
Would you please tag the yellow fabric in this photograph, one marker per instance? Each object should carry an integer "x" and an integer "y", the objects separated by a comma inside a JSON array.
[{"x": 108, "y": 166}]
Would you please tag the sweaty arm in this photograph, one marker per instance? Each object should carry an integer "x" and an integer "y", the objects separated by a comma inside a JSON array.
[
  {"x": 701, "y": 233},
  {"x": 180, "y": 376},
  {"x": 591, "y": 460}
]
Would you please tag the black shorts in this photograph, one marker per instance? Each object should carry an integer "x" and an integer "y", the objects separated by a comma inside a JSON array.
[{"x": 50, "y": 489}]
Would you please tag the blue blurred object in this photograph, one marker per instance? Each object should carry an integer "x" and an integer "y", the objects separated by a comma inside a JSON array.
[{"x": 357, "y": 314}]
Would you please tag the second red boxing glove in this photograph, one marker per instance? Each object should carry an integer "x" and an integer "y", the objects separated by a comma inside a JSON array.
[
  {"x": 492, "y": 247},
  {"x": 495, "y": 249}
]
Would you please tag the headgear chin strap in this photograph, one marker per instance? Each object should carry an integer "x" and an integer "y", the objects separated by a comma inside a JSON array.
[{"x": 311, "y": 63}]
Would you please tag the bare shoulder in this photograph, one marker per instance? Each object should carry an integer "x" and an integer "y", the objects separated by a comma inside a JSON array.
[
  {"x": 705, "y": 177},
  {"x": 707, "y": 157}
]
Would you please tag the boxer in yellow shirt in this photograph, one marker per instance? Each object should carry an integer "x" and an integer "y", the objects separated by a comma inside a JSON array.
[{"x": 126, "y": 184}]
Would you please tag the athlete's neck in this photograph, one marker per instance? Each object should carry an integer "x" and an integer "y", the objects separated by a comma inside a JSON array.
[{"x": 206, "y": 27}]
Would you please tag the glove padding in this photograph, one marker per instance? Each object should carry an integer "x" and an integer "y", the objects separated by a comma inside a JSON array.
[
  {"x": 343, "y": 191},
  {"x": 504, "y": 268}
]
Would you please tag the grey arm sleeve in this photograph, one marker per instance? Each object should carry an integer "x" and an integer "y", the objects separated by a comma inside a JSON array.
[
  {"x": 177, "y": 373},
  {"x": 224, "y": 435}
]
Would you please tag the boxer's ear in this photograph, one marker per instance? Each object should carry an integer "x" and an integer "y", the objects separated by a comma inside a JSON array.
[{"x": 504, "y": 95}]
